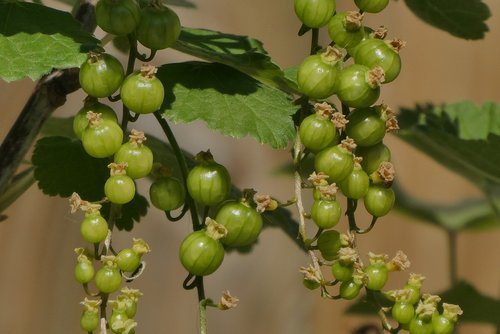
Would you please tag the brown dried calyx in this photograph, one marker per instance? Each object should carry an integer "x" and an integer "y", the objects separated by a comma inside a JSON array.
[
  {"x": 396, "y": 44},
  {"x": 328, "y": 192},
  {"x": 348, "y": 144},
  {"x": 385, "y": 174},
  {"x": 265, "y": 203},
  {"x": 323, "y": 110},
  {"x": 318, "y": 179},
  {"x": 353, "y": 21},
  {"x": 339, "y": 120},
  {"x": 375, "y": 77},
  {"x": 118, "y": 168},
  {"x": 137, "y": 137},
  {"x": 332, "y": 55},
  {"x": 379, "y": 33},
  {"x": 77, "y": 203},
  {"x": 148, "y": 71},
  {"x": 227, "y": 301},
  {"x": 391, "y": 122},
  {"x": 94, "y": 118}
]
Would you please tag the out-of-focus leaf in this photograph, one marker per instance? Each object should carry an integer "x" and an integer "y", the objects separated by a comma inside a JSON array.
[
  {"x": 477, "y": 307},
  {"x": 470, "y": 215},
  {"x": 461, "y": 18},
  {"x": 444, "y": 134}
]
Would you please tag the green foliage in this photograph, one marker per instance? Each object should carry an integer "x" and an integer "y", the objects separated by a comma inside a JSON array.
[
  {"x": 445, "y": 134},
  {"x": 62, "y": 167},
  {"x": 228, "y": 101},
  {"x": 477, "y": 307},
  {"x": 240, "y": 52},
  {"x": 470, "y": 215},
  {"x": 35, "y": 39},
  {"x": 461, "y": 18},
  {"x": 131, "y": 212}
]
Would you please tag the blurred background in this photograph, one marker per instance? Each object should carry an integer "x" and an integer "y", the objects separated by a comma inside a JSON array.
[{"x": 37, "y": 288}]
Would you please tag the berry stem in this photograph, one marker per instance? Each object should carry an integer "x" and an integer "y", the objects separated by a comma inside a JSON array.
[
  {"x": 130, "y": 68},
  {"x": 203, "y": 316},
  {"x": 314, "y": 40},
  {"x": 182, "y": 165},
  {"x": 181, "y": 160}
]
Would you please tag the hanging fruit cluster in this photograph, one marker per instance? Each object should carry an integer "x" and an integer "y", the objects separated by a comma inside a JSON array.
[{"x": 350, "y": 156}]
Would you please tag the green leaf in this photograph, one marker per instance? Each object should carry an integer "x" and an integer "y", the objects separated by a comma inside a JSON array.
[
  {"x": 228, "y": 101},
  {"x": 470, "y": 215},
  {"x": 240, "y": 52},
  {"x": 461, "y": 18},
  {"x": 444, "y": 133},
  {"x": 58, "y": 126},
  {"x": 35, "y": 39},
  {"x": 62, "y": 167},
  {"x": 130, "y": 213},
  {"x": 476, "y": 306}
]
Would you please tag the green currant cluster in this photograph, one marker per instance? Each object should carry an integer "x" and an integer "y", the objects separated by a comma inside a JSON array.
[
  {"x": 236, "y": 223},
  {"x": 327, "y": 73},
  {"x": 418, "y": 313},
  {"x": 155, "y": 26},
  {"x": 413, "y": 311},
  {"x": 350, "y": 156},
  {"x": 108, "y": 278}
]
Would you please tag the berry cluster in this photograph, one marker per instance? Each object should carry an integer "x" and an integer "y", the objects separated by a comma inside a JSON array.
[
  {"x": 350, "y": 156},
  {"x": 236, "y": 223},
  {"x": 109, "y": 277}
]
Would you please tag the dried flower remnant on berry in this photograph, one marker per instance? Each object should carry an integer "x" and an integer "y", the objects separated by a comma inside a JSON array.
[
  {"x": 348, "y": 239},
  {"x": 318, "y": 179},
  {"x": 451, "y": 311},
  {"x": 328, "y": 192},
  {"x": 265, "y": 203},
  {"x": 137, "y": 137},
  {"x": 339, "y": 120},
  {"x": 214, "y": 229},
  {"x": 375, "y": 77},
  {"x": 348, "y": 144},
  {"x": 118, "y": 168},
  {"x": 377, "y": 258},
  {"x": 379, "y": 33},
  {"x": 400, "y": 262},
  {"x": 311, "y": 274},
  {"x": 323, "y": 109},
  {"x": 353, "y": 21},
  {"x": 348, "y": 255}
]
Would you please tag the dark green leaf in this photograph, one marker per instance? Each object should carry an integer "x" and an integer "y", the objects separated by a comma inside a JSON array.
[
  {"x": 58, "y": 126},
  {"x": 443, "y": 134},
  {"x": 240, "y": 52},
  {"x": 227, "y": 100},
  {"x": 35, "y": 39},
  {"x": 476, "y": 306},
  {"x": 461, "y": 18},
  {"x": 62, "y": 167},
  {"x": 130, "y": 213}
]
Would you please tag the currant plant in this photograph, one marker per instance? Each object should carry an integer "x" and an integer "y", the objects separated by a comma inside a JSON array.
[{"x": 329, "y": 107}]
